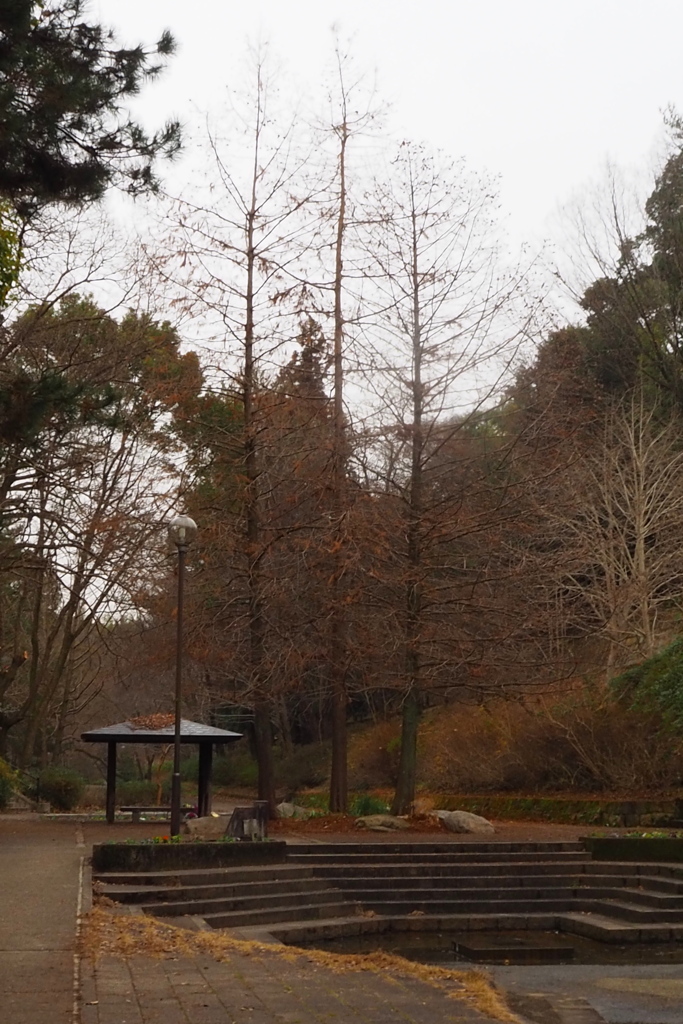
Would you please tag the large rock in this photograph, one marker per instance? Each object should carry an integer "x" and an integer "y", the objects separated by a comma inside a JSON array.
[
  {"x": 287, "y": 810},
  {"x": 381, "y": 822},
  {"x": 209, "y": 827},
  {"x": 463, "y": 821}
]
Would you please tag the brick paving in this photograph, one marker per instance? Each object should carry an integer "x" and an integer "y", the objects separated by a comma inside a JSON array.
[
  {"x": 40, "y": 862},
  {"x": 258, "y": 990}
]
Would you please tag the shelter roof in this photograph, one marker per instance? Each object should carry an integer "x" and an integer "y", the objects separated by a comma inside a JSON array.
[{"x": 143, "y": 731}]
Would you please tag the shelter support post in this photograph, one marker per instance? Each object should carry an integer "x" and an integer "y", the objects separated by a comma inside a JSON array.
[
  {"x": 111, "y": 782},
  {"x": 204, "y": 780}
]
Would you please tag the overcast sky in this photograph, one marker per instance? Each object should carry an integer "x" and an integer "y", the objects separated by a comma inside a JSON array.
[{"x": 542, "y": 93}]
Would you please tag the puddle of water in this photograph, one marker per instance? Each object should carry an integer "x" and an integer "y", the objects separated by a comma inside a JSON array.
[{"x": 505, "y": 947}]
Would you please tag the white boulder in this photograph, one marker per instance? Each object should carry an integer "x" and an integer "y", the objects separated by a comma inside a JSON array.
[
  {"x": 381, "y": 822},
  {"x": 210, "y": 827},
  {"x": 287, "y": 810},
  {"x": 463, "y": 821}
]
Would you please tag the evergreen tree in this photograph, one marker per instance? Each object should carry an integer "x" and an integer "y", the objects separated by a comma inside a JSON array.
[{"x": 63, "y": 134}]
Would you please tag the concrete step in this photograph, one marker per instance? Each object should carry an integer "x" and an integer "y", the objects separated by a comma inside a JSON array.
[
  {"x": 455, "y": 885},
  {"x": 168, "y": 894},
  {"x": 203, "y": 876},
  {"x": 302, "y": 931},
  {"x": 417, "y": 850},
  {"x": 439, "y": 908},
  {"x": 247, "y": 904},
  {"x": 652, "y": 898},
  {"x": 662, "y": 884},
  {"x": 600, "y": 926},
  {"x": 303, "y": 912},
  {"x": 635, "y": 912},
  {"x": 458, "y": 881},
  {"x": 427, "y": 861},
  {"x": 606, "y": 867}
]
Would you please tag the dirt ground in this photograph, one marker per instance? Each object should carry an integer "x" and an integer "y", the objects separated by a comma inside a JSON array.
[
  {"x": 426, "y": 829},
  {"x": 330, "y": 828}
]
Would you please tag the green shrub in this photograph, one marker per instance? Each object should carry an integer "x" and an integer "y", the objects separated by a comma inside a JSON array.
[
  {"x": 223, "y": 773},
  {"x": 656, "y": 685},
  {"x": 360, "y": 804},
  {"x": 364, "y": 803},
  {"x": 140, "y": 792},
  {"x": 7, "y": 783},
  {"x": 238, "y": 768},
  {"x": 315, "y": 801},
  {"x": 305, "y": 767},
  {"x": 127, "y": 766},
  {"x": 244, "y": 770},
  {"x": 189, "y": 768},
  {"x": 62, "y": 787}
]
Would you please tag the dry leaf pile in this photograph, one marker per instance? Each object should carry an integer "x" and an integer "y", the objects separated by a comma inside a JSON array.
[
  {"x": 124, "y": 935},
  {"x": 160, "y": 720}
]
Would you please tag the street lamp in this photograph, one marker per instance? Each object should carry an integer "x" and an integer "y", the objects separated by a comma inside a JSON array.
[{"x": 181, "y": 532}]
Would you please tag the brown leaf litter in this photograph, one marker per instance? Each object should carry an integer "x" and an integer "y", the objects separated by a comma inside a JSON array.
[
  {"x": 105, "y": 933},
  {"x": 160, "y": 720}
]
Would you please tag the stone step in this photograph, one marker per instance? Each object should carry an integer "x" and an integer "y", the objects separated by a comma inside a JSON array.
[
  {"x": 353, "y": 859},
  {"x": 597, "y": 867},
  {"x": 418, "y": 849},
  {"x": 662, "y": 884},
  {"x": 653, "y": 897},
  {"x": 203, "y": 876},
  {"x": 303, "y": 912},
  {"x": 158, "y": 894},
  {"x": 456, "y": 881},
  {"x": 600, "y": 926},
  {"x": 462, "y": 870},
  {"x": 302, "y": 931},
  {"x": 417, "y": 897},
  {"x": 458, "y": 885},
  {"x": 624, "y": 911},
  {"x": 248, "y": 904},
  {"x": 439, "y": 908}
]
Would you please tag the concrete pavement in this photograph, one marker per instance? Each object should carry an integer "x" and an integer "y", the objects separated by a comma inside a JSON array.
[
  {"x": 43, "y": 981},
  {"x": 39, "y": 887},
  {"x": 618, "y": 994}
]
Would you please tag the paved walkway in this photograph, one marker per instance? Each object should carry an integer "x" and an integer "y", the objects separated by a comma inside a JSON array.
[
  {"x": 39, "y": 888},
  {"x": 42, "y": 980},
  {"x": 259, "y": 989}
]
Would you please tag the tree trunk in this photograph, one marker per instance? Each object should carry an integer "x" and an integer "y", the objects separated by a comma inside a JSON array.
[
  {"x": 405, "y": 788},
  {"x": 339, "y": 794},
  {"x": 404, "y": 798},
  {"x": 263, "y": 738}
]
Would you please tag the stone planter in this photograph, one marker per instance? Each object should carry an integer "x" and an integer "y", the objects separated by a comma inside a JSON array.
[
  {"x": 634, "y": 848},
  {"x": 178, "y": 856}
]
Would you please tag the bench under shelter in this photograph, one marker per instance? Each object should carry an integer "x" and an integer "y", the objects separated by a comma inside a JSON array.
[{"x": 204, "y": 736}]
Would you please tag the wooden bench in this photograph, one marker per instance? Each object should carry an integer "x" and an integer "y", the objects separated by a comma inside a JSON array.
[{"x": 135, "y": 812}]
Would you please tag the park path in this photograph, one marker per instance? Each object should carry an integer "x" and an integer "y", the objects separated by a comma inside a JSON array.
[
  {"x": 39, "y": 890},
  {"x": 43, "y": 982}
]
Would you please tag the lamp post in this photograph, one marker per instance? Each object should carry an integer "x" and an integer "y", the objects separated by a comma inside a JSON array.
[{"x": 181, "y": 532}]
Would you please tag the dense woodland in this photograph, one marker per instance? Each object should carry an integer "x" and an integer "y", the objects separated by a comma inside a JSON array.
[{"x": 418, "y": 488}]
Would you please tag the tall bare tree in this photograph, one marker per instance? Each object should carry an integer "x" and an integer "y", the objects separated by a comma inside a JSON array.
[
  {"x": 438, "y": 344},
  {"x": 237, "y": 253}
]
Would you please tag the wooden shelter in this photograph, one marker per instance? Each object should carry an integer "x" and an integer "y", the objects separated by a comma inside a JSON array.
[{"x": 155, "y": 729}]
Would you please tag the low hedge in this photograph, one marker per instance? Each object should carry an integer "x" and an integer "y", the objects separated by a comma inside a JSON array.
[
  {"x": 635, "y": 848},
  {"x": 567, "y": 810}
]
